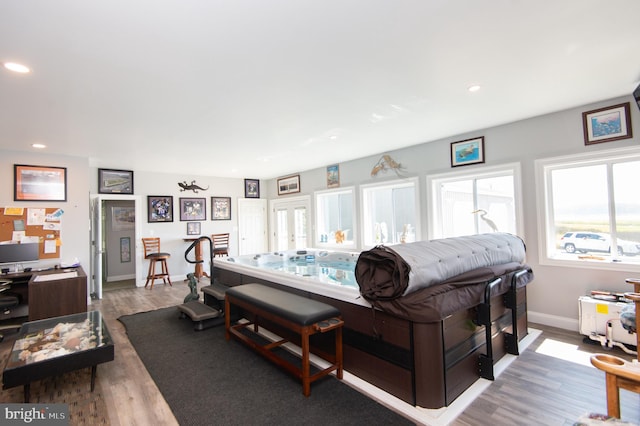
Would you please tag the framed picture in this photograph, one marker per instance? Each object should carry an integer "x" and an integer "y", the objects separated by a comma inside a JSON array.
[
  {"x": 607, "y": 124},
  {"x": 469, "y": 151},
  {"x": 289, "y": 185},
  {"x": 193, "y": 209},
  {"x": 123, "y": 218},
  {"x": 115, "y": 181},
  {"x": 39, "y": 183},
  {"x": 193, "y": 228},
  {"x": 125, "y": 249},
  {"x": 220, "y": 208},
  {"x": 251, "y": 188},
  {"x": 160, "y": 208},
  {"x": 333, "y": 176}
]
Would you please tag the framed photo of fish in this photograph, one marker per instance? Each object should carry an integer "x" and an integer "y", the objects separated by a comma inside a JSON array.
[{"x": 468, "y": 151}]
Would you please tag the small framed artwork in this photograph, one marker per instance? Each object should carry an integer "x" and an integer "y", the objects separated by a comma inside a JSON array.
[
  {"x": 39, "y": 183},
  {"x": 193, "y": 209},
  {"x": 123, "y": 218},
  {"x": 289, "y": 185},
  {"x": 333, "y": 176},
  {"x": 220, "y": 208},
  {"x": 160, "y": 208},
  {"x": 115, "y": 181},
  {"x": 193, "y": 228},
  {"x": 468, "y": 151},
  {"x": 607, "y": 124},
  {"x": 251, "y": 188},
  {"x": 125, "y": 249}
]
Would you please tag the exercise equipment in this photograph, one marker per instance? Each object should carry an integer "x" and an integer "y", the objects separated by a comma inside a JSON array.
[{"x": 210, "y": 312}]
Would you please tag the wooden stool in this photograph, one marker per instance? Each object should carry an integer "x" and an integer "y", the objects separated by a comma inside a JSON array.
[
  {"x": 220, "y": 244},
  {"x": 621, "y": 374},
  {"x": 153, "y": 254}
]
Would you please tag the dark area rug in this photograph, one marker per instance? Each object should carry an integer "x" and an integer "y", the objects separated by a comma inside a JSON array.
[{"x": 207, "y": 380}]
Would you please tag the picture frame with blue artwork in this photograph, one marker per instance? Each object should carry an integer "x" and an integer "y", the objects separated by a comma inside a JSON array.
[
  {"x": 468, "y": 151},
  {"x": 607, "y": 124}
]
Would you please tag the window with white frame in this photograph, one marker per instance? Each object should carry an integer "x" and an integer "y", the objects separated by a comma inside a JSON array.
[
  {"x": 335, "y": 218},
  {"x": 390, "y": 212},
  {"x": 589, "y": 208},
  {"x": 477, "y": 201}
]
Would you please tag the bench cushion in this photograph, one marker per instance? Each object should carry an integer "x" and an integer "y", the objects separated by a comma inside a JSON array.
[{"x": 297, "y": 309}]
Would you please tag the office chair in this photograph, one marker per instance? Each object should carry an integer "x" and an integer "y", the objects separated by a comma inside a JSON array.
[
  {"x": 220, "y": 244},
  {"x": 6, "y": 303},
  {"x": 153, "y": 254}
]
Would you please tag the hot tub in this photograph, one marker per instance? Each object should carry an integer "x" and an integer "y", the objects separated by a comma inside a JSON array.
[
  {"x": 424, "y": 363},
  {"x": 323, "y": 272}
]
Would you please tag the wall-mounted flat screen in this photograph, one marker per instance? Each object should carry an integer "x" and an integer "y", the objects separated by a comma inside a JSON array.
[
  {"x": 636, "y": 95},
  {"x": 18, "y": 253}
]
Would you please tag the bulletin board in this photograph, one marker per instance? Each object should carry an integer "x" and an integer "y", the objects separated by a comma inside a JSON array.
[{"x": 34, "y": 222}]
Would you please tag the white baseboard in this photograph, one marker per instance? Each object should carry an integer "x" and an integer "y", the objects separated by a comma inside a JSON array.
[
  {"x": 120, "y": 278},
  {"x": 553, "y": 321}
]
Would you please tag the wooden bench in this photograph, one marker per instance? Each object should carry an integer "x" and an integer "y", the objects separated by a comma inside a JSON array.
[{"x": 305, "y": 317}]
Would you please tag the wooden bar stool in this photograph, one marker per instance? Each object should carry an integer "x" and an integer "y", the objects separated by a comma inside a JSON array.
[
  {"x": 154, "y": 255},
  {"x": 220, "y": 244}
]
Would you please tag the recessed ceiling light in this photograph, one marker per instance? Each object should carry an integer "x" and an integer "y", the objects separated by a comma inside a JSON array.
[
  {"x": 38, "y": 145},
  {"x": 12, "y": 66},
  {"x": 474, "y": 88}
]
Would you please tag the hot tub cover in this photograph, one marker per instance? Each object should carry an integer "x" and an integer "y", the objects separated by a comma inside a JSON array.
[{"x": 386, "y": 273}]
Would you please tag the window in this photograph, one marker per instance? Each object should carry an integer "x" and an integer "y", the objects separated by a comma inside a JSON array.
[
  {"x": 591, "y": 209},
  {"x": 474, "y": 202},
  {"x": 390, "y": 213},
  {"x": 335, "y": 215}
]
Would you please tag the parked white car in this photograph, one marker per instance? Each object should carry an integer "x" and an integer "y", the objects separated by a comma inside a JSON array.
[{"x": 584, "y": 242}]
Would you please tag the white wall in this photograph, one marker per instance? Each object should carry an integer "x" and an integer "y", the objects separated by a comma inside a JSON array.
[
  {"x": 75, "y": 220},
  {"x": 172, "y": 234},
  {"x": 553, "y": 296}
]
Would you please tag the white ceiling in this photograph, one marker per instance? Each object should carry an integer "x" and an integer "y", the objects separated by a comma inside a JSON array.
[{"x": 264, "y": 88}]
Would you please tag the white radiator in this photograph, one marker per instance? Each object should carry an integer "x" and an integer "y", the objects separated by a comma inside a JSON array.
[{"x": 600, "y": 321}]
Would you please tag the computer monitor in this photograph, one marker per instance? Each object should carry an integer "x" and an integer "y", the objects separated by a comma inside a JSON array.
[{"x": 19, "y": 253}]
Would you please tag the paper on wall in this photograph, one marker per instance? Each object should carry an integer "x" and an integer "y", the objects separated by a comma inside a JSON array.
[
  {"x": 17, "y": 235},
  {"x": 52, "y": 226},
  {"x": 13, "y": 211},
  {"x": 35, "y": 217},
  {"x": 49, "y": 246}
]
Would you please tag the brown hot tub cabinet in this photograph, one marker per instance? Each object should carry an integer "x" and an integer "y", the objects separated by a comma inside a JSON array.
[{"x": 425, "y": 363}]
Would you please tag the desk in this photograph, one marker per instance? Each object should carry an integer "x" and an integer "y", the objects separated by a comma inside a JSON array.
[
  {"x": 73, "y": 342},
  {"x": 199, "y": 272},
  {"x": 46, "y": 294}
]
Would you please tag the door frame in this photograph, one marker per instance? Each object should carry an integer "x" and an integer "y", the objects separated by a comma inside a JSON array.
[{"x": 97, "y": 239}]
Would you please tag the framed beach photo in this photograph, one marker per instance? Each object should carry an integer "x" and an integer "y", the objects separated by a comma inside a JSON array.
[
  {"x": 289, "y": 185},
  {"x": 468, "y": 151},
  {"x": 39, "y": 183},
  {"x": 220, "y": 208},
  {"x": 160, "y": 208},
  {"x": 115, "y": 181},
  {"x": 251, "y": 188},
  {"x": 193, "y": 209},
  {"x": 607, "y": 124},
  {"x": 333, "y": 176}
]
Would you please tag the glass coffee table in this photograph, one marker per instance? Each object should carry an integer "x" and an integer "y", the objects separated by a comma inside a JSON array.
[{"x": 58, "y": 345}]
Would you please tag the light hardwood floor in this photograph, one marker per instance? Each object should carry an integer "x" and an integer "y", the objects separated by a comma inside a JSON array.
[{"x": 133, "y": 398}]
